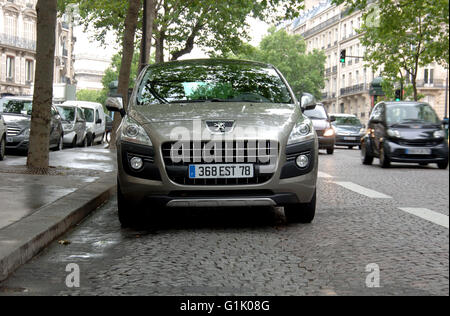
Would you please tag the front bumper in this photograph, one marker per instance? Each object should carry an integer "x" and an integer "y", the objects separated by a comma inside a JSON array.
[
  {"x": 343, "y": 140},
  {"x": 18, "y": 142},
  {"x": 153, "y": 186},
  {"x": 398, "y": 153}
]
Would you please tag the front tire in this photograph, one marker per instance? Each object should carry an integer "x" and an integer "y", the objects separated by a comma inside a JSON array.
[
  {"x": 126, "y": 211},
  {"x": 385, "y": 162},
  {"x": 366, "y": 158},
  {"x": 301, "y": 212},
  {"x": 443, "y": 164},
  {"x": 2, "y": 148}
]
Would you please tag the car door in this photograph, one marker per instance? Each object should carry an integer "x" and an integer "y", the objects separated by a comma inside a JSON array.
[
  {"x": 377, "y": 126},
  {"x": 54, "y": 132},
  {"x": 80, "y": 125}
]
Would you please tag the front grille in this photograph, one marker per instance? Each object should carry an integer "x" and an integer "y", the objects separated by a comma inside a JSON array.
[
  {"x": 13, "y": 131},
  {"x": 258, "y": 153},
  {"x": 320, "y": 132},
  {"x": 419, "y": 143}
]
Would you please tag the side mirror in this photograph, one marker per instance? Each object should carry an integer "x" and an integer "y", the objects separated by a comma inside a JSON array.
[
  {"x": 99, "y": 121},
  {"x": 332, "y": 119},
  {"x": 307, "y": 101},
  {"x": 115, "y": 104}
]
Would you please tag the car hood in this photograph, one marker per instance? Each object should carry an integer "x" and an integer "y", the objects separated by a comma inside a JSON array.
[
  {"x": 417, "y": 133},
  {"x": 258, "y": 120},
  {"x": 22, "y": 121},
  {"x": 320, "y": 125},
  {"x": 347, "y": 129}
]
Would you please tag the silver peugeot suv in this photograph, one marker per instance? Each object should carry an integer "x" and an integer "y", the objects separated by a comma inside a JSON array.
[{"x": 215, "y": 133}]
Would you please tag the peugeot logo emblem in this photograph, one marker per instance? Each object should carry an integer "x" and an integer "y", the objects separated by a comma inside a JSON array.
[{"x": 220, "y": 127}]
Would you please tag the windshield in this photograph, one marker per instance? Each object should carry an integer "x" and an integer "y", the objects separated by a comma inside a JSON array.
[
  {"x": 89, "y": 114},
  {"x": 347, "y": 120},
  {"x": 318, "y": 113},
  {"x": 411, "y": 113},
  {"x": 214, "y": 81},
  {"x": 18, "y": 107},
  {"x": 67, "y": 113}
]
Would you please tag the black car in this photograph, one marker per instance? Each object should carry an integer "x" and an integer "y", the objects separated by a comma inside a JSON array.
[
  {"x": 323, "y": 127},
  {"x": 408, "y": 132},
  {"x": 17, "y": 116},
  {"x": 349, "y": 130}
]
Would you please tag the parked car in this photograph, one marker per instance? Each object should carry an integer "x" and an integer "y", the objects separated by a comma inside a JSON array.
[
  {"x": 2, "y": 137},
  {"x": 270, "y": 156},
  {"x": 95, "y": 120},
  {"x": 17, "y": 116},
  {"x": 74, "y": 124},
  {"x": 323, "y": 127},
  {"x": 408, "y": 132},
  {"x": 349, "y": 130}
]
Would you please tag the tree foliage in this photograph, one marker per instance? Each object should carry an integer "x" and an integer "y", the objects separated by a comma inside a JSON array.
[
  {"x": 304, "y": 72},
  {"x": 402, "y": 36}
]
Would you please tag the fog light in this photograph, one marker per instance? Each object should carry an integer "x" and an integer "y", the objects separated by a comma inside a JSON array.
[
  {"x": 136, "y": 163},
  {"x": 302, "y": 161}
]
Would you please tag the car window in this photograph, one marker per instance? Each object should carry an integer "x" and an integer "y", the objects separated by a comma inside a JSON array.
[
  {"x": 18, "y": 107},
  {"x": 97, "y": 115},
  {"x": 89, "y": 115},
  {"x": 216, "y": 81},
  {"x": 80, "y": 114},
  {"x": 318, "y": 113},
  {"x": 377, "y": 113},
  {"x": 404, "y": 113},
  {"x": 67, "y": 113},
  {"x": 347, "y": 120}
]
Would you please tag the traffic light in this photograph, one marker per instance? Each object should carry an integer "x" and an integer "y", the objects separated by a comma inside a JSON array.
[
  {"x": 342, "y": 59},
  {"x": 398, "y": 95}
]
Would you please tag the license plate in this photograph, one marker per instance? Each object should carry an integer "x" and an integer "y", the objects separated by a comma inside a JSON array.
[
  {"x": 9, "y": 139},
  {"x": 418, "y": 151},
  {"x": 349, "y": 138},
  {"x": 221, "y": 171}
]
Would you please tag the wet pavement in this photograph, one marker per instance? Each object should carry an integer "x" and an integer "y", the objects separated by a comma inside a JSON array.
[{"x": 21, "y": 193}]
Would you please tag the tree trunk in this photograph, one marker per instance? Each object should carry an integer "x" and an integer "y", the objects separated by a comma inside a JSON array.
[
  {"x": 159, "y": 53},
  {"x": 189, "y": 42},
  {"x": 38, "y": 156},
  {"x": 127, "y": 57},
  {"x": 147, "y": 29}
]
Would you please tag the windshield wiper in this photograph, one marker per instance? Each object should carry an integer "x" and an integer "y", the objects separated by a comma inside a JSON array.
[{"x": 150, "y": 87}]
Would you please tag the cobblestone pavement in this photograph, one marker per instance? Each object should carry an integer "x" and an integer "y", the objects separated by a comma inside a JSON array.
[{"x": 254, "y": 251}]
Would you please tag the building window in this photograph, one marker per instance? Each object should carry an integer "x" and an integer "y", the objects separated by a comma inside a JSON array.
[
  {"x": 428, "y": 76},
  {"x": 29, "y": 68},
  {"x": 10, "y": 68},
  {"x": 10, "y": 25}
]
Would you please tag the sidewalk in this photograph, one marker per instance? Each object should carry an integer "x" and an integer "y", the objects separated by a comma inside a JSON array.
[{"x": 36, "y": 209}]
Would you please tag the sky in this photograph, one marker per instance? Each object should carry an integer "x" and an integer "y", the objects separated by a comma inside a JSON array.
[{"x": 86, "y": 45}]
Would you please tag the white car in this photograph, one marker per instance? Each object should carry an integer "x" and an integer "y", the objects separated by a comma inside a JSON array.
[
  {"x": 2, "y": 137},
  {"x": 95, "y": 120}
]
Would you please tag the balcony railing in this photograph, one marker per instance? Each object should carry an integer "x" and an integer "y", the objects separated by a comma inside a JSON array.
[
  {"x": 18, "y": 42},
  {"x": 353, "y": 89},
  {"x": 321, "y": 26},
  {"x": 437, "y": 83}
]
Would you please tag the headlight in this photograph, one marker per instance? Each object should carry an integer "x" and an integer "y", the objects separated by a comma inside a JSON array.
[
  {"x": 328, "y": 132},
  {"x": 439, "y": 134},
  {"x": 132, "y": 132},
  {"x": 68, "y": 127},
  {"x": 301, "y": 132},
  {"x": 362, "y": 131},
  {"x": 394, "y": 133},
  {"x": 26, "y": 133}
]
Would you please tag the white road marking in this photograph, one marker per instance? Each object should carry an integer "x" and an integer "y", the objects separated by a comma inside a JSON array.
[
  {"x": 362, "y": 190},
  {"x": 324, "y": 175},
  {"x": 427, "y": 214}
]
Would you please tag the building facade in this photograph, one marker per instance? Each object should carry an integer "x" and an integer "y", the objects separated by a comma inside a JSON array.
[
  {"x": 332, "y": 28},
  {"x": 18, "y": 49}
]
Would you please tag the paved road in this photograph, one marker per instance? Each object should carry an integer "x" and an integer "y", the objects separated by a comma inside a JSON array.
[{"x": 394, "y": 219}]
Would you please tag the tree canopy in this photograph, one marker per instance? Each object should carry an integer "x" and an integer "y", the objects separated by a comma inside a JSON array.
[{"x": 304, "y": 71}]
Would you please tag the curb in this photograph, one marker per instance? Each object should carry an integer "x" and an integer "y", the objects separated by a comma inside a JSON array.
[{"x": 24, "y": 239}]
